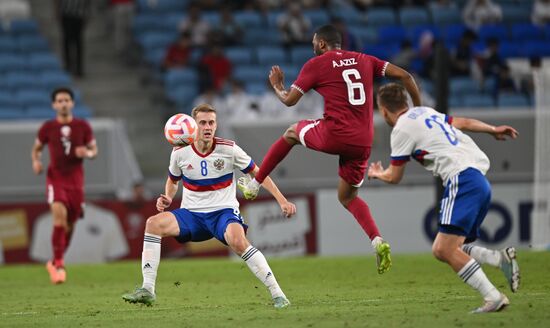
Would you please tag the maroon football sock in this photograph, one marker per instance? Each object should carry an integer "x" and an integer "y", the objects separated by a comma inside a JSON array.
[
  {"x": 361, "y": 212},
  {"x": 274, "y": 156},
  {"x": 59, "y": 242}
]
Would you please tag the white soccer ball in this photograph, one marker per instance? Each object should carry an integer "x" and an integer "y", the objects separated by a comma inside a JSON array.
[{"x": 180, "y": 130}]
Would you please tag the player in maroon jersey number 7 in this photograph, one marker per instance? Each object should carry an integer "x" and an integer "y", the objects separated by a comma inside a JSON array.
[
  {"x": 345, "y": 80},
  {"x": 69, "y": 141}
]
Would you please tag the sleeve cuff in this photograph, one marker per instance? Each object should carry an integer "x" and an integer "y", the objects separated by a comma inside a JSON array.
[
  {"x": 449, "y": 119},
  {"x": 249, "y": 168},
  {"x": 399, "y": 160},
  {"x": 174, "y": 178},
  {"x": 297, "y": 88}
]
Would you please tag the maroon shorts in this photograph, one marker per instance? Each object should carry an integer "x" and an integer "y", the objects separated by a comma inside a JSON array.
[
  {"x": 72, "y": 198},
  {"x": 353, "y": 159}
]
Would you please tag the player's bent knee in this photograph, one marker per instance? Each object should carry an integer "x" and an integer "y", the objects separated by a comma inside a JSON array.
[
  {"x": 157, "y": 225},
  {"x": 441, "y": 253},
  {"x": 291, "y": 135},
  {"x": 237, "y": 243}
]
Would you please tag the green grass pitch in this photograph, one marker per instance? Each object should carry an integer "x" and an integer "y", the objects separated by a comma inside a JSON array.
[{"x": 325, "y": 292}]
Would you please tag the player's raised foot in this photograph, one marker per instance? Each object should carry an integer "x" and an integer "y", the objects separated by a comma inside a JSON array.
[
  {"x": 280, "y": 302},
  {"x": 383, "y": 257},
  {"x": 248, "y": 187},
  {"x": 57, "y": 275},
  {"x": 493, "y": 306},
  {"x": 510, "y": 268},
  {"x": 140, "y": 295}
]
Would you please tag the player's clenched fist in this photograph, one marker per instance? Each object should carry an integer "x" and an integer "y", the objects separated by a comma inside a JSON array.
[{"x": 163, "y": 202}]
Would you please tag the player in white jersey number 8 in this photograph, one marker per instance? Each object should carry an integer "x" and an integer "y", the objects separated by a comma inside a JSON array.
[
  {"x": 437, "y": 142},
  {"x": 209, "y": 207}
]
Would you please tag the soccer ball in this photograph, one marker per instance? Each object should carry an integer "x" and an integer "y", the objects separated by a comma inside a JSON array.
[{"x": 180, "y": 130}]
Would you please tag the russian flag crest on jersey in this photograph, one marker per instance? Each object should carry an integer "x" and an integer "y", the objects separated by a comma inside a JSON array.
[{"x": 208, "y": 179}]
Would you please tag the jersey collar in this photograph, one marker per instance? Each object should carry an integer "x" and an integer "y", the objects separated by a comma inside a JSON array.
[{"x": 207, "y": 153}]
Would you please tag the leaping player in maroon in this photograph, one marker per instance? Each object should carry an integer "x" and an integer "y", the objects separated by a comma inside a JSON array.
[
  {"x": 69, "y": 141},
  {"x": 345, "y": 80}
]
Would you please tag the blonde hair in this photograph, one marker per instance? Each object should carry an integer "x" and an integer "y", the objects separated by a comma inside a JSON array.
[{"x": 203, "y": 108}]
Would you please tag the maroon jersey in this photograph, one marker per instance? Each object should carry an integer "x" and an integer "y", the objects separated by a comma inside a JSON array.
[
  {"x": 345, "y": 80},
  {"x": 65, "y": 168}
]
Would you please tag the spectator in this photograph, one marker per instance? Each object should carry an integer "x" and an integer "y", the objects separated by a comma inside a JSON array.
[
  {"x": 195, "y": 26},
  {"x": 461, "y": 58},
  {"x": 504, "y": 82},
  {"x": 426, "y": 46},
  {"x": 239, "y": 105},
  {"x": 122, "y": 14},
  {"x": 217, "y": 66},
  {"x": 405, "y": 56},
  {"x": 294, "y": 26},
  {"x": 491, "y": 62},
  {"x": 442, "y": 4},
  {"x": 481, "y": 12},
  {"x": 231, "y": 32},
  {"x": 527, "y": 82},
  {"x": 541, "y": 12},
  {"x": 349, "y": 41},
  {"x": 179, "y": 52},
  {"x": 73, "y": 15},
  {"x": 270, "y": 107}
]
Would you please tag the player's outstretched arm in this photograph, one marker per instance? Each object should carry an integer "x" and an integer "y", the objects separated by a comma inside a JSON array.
[
  {"x": 473, "y": 125},
  {"x": 408, "y": 81},
  {"x": 36, "y": 156},
  {"x": 393, "y": 174},
  {"x": 170, "y": 190},
  {"x": 288, "y": 208},
  {"x": 287, "y": 97}
]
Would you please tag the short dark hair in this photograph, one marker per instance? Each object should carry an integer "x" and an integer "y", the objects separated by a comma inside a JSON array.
[
  {"x": 62, "y": 90},
  {"x": 393, "y": 96},
  {"x": 330, "y": 35}
]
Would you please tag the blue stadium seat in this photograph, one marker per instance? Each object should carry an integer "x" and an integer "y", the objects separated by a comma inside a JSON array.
[
  {"x": 385, "y": 52},
  {"x": 256, "y": 88},
  {"x": 32, "y": 43},
  {"x": 23, "y": 26},
  {"x": 366, "y": 34},
  {"x": 478, "y": 100},
  {"x": 463, "y": 86},
  {"x": 11, "y": 62},
  {"x": 44, "y": 61},
  {"x": 497, "y": 31},
  {"x": 262, "y": 37},
  {"x": 299, "y": 55},
  {"x": 82, "y": 111},
  {"x": 162, "y": 6},
  {"x": 8, "y": 44},
  {"x": 248, "y": 19},
  {"x": 273, "y": 17},
  {"x": 445, "y": 16},
  {"x": 39, "y": 112},
  {"x": 239, "y": 55},
  {"x": 513, "y": 100},
  {"x": 317, "y": 17},
  {"x": 271, "y": 55},
  {"x": 19, "y": 80},
  {"x": 410, "y": 16},
  {"x": 250, "y": 73},
  {"x": 511, "y": 49},
  {"x": 183, "y": 95},
  {"x": 11, "y": 113},
  {"x": 536, "y": 48},
  {"x": 32, "y": 97},
  {"x": 392, "y": 34},
  {"x": 381, "y": 16},
  {"x": 350, "y": 16},
  {"x": 156, "y": 40},
  {"x": 7, "y": 99},
  {"x": 177, "y": 77},
  {"x": 211, "y": 17},
  {"x": 527, "y": 31},
  {"x": 453, "y": 33},
  {"x": 456, "y": 101},
  {"x": 54, "y": 79},
  {"x": 547, "y": 31},
  {"x": 146, "y": 23}
]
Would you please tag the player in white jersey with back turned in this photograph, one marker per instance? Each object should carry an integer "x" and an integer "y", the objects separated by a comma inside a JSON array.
[
  {"x": 209, "y": 207},
  {"x": 437, "y": 142}
]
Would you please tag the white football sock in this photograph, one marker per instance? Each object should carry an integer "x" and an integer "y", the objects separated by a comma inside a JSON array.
[
  {"x": 472, "y": 274},
  {"x": 150, "y": 259},
  {"x": 483, "y": 255},
  {"x": 258, "y": 265},
  {"x": 376, "y": 241}
]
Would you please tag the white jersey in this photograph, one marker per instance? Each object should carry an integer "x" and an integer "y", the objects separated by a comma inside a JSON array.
[
  {"x": 208, "y": 179},
  {"x": 428, "y": 136}
]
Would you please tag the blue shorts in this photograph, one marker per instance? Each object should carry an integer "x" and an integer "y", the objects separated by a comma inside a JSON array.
[
  {"x": 465, "y": 203},
  {"x": 195, "y": 226}
]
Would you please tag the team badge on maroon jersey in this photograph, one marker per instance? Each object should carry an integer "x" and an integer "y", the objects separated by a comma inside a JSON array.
[
  {"x": 219, "y": 164},
  {"x": 65, "y": 131}
]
